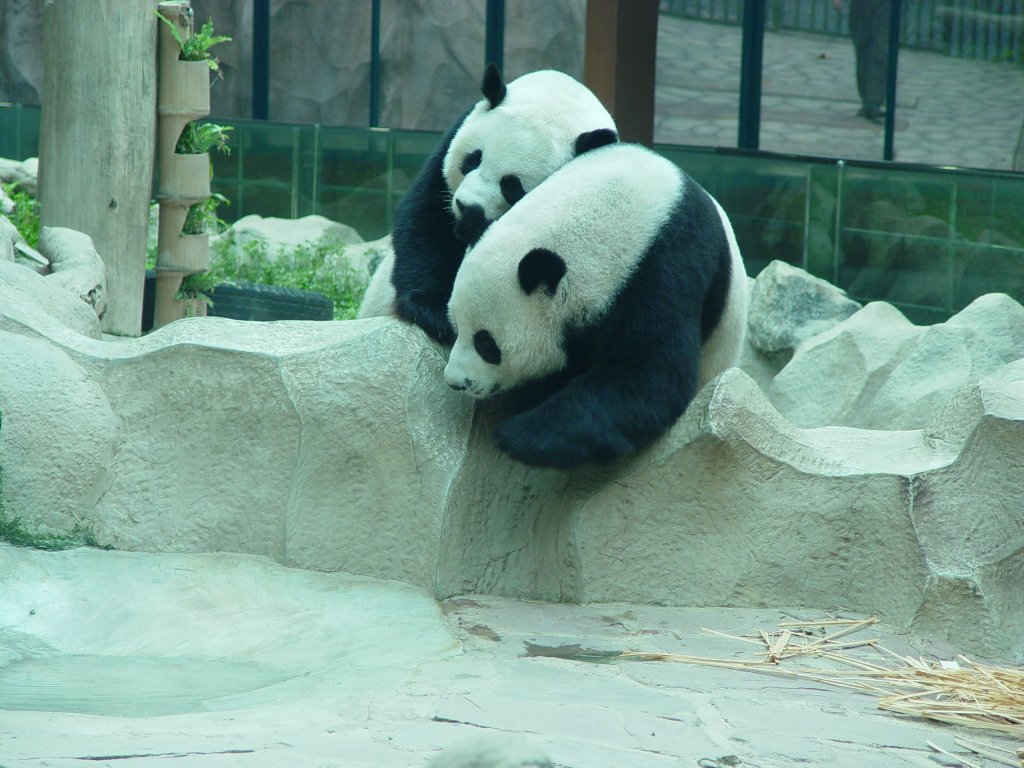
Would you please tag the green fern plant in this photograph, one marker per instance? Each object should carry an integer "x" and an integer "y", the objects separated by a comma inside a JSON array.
[
  {"x": 197, "y": 47},
  {"x": 198, "y": 138}
]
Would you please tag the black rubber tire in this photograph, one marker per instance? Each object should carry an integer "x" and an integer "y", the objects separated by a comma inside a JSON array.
[{"x": 254, "y": 301}]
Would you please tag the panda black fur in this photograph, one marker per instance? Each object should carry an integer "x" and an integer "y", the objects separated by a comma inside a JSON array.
[
  {"x": 509, "y": 142},
  {"x": 602, "y": 302}
]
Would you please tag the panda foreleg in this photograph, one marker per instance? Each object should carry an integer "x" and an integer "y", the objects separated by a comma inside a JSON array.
[
  {"x": 427, "y": 253},
  {"x": 606, "y": 413}
]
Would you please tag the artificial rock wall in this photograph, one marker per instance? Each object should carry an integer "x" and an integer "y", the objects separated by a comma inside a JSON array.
[{"x": 337, "y": 446}]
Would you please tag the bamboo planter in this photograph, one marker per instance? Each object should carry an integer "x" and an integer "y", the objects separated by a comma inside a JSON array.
[{"x": 184, "y": 96}]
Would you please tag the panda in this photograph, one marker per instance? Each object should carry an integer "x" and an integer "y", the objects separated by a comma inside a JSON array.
[
  {"x": 600, "y": 303},
  {"x": 510, "y": 141}
]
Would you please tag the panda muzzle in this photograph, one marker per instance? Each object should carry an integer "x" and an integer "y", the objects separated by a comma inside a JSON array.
[{"x": 471, "y": 224}]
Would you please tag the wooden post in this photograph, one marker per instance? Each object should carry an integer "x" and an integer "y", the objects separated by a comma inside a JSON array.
[
  {"x": 619, "y": 62},
  {"x": 97, "y": 137}
]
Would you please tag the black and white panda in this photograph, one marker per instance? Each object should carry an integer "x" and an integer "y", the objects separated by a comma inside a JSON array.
[
  {"x": 603, "y": 301},
  {"x": 510, "y": 141}
]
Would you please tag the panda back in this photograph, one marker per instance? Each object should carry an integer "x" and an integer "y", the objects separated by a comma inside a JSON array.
[{"x": 599, "y": 213}]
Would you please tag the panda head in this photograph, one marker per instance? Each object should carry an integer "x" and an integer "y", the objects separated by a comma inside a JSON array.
[
  {"x": 513, "y": 139},
  {"x": 509, "y": 326}
]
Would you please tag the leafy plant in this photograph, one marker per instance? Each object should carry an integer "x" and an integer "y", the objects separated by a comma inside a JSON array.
[
  {"x": 198, "y": 45},
  {"x": 198, "y": 138},
  {"x": 25, "y": 216},
  {"x": 315, "y": 266},
  {"x": 202, "y": 217}
]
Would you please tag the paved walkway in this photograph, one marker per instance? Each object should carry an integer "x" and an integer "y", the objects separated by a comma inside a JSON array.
[{"x": 949, "y": 111}]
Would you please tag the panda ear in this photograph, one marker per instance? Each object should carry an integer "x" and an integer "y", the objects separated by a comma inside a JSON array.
[
  {"x": 594, "y": 139},
  {"x": 541, "y": 268},
  {"x": 492, "y": 86}
]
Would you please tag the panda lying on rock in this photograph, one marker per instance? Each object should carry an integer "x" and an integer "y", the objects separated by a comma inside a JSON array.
[
  {"x": 601, "y": 302},
  {"x": 510, "y": 141}
]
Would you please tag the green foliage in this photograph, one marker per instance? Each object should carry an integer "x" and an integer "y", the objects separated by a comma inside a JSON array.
[
  {"x": 26, "y": 214},
  {"x": 198, "y": 138},
  {"x": 202, "y": 218},
  {"x": 197, "y": 47},
  {"x": 315, "y": 266}
]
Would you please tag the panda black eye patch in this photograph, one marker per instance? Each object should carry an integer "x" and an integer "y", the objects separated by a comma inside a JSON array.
[
  {"x": 471, "y": 161},
  {"x": 485, "y": 346},
  {"x": 512, "y": 189}
]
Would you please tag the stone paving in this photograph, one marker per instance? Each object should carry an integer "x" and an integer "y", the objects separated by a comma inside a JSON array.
[{"x": 949, "y": 111}]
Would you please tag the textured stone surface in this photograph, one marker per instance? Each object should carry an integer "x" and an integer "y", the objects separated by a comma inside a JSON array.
[
  {"x": 139, "y": 658},
  {"x": 287, "y": 234},
  {"x": 877, "y": 370},
  {"x": 257, "y": 438},
  {"x": 75, "y": 266},
  {"x": 337, "y": 446},
  {"x": 787, "y": 305}
]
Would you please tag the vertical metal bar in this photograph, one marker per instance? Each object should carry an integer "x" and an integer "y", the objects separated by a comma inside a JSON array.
[
  {"x": 494, "y": 37},
  {"x": 375, "y": 63},
  {"x": 751, "y": 64},
  {"x": 260, "y": 59},
  {"x": 837, "y": 243},
  {"x": 890, "y": 78}
]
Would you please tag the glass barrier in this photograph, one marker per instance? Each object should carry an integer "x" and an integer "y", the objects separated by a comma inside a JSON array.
[{"x": 929, "y": 240}]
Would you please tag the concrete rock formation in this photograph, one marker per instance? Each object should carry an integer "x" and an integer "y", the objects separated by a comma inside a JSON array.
[
  {"x": 337, "y": 446},
  {"x": 787, "y": 305}
]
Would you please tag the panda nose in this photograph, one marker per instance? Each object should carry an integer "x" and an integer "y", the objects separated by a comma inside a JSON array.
[
  {"x": 461, "y": 206},
  {"x": 458, "y": 387}
]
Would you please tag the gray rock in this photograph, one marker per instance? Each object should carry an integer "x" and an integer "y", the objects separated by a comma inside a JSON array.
[
  {"x": 75, "y": 265},
  {"x": 24, "y": 173},
  {"x": 876, "y": 370},
  {"x": 284, "y": 235},
  {"x": 787, "y": 306},
  {"x": 30, "y": 299}
]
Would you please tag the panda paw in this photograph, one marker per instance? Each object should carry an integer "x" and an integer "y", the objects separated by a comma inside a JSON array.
[{"x": 559, "y": 446}]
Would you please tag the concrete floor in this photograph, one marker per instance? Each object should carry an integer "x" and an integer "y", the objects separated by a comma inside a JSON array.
[{"x": 127, "y": 660}]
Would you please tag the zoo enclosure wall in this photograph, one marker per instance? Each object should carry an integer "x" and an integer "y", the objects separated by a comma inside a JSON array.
[{"x": 924, "y": 238}]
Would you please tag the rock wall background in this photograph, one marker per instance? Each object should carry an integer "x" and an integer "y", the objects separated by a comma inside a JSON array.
[{"x": 432, "y": 56}]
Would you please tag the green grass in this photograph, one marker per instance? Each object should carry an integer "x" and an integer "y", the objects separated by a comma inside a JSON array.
[
  {"x": 26, "y": 214},
  {"x": 315, "y": 266}
]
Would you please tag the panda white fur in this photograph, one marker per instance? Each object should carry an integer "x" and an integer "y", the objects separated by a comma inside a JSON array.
[
  {"x": 603, "y": 301},
  {"x": 509, "y": 142}
]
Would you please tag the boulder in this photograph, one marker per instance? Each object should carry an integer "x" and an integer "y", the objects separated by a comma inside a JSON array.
[
  {"x": 75, "y": 266},
  {"x": 787, "y": 306},
  {"x": 24, "y": 173},
  {"x": 876, "y": 370},
  {"x": 285, "y": 235}
]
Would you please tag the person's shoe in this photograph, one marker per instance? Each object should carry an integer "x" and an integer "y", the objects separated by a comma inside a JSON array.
[{"x": 873, "y": 112}]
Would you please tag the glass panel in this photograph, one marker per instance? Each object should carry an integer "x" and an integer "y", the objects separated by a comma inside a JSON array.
[
  {"x": 19, "y": 131},
  {"x": 260, "y": 174},
  {"x": 961, "y": 95},
  {"x": 824, "y": 78},
  {"x": 354, "y": 180},
  {"x": 230, "y": 95},
  {"x": 696, "y": 94},
  {"x": 432, "y": 59},
  {"x": 540, "y": 34}
]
